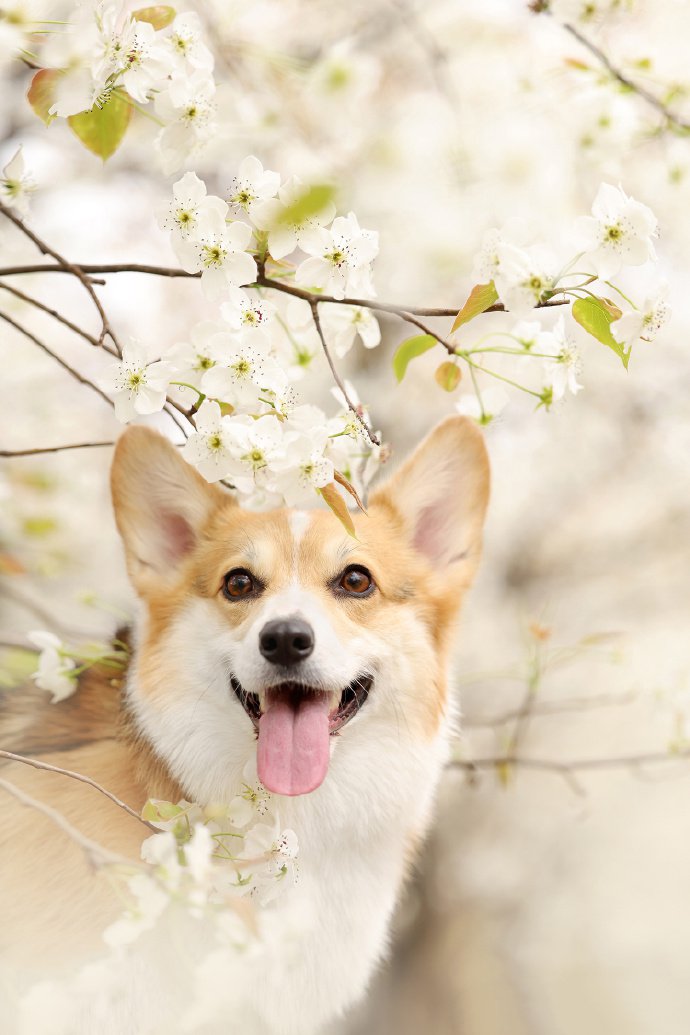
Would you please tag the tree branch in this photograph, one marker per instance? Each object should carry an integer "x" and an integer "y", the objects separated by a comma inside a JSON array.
[
  {"x": 53, "y": 449},
  {"x": 96, "y": 854},
  {"x": 69, "y": 267},
  {"x": 58, "y": 359},
  {"x": 57, "y": 316},
  {"x": 357, "y": 411},
  {"x": 574, "y": 766},
  {"x": 649, "y": 98},
  {"x": 36, "y": 764}
]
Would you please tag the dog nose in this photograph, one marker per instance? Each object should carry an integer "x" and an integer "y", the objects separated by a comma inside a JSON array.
[{"x": 286, "y": 641}]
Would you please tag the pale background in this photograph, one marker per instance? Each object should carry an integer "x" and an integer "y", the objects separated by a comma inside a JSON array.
[{"x": 540, "y": 908}]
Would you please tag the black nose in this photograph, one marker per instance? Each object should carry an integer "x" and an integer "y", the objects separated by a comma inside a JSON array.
[{"x": 286, "y": 641}]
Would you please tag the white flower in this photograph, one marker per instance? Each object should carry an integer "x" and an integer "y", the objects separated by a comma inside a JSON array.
[
  {"x": 146, "y": 62},
  {"x": 192, "y": 212},
  {"x": 187, "y": 107},
  {"x": 254, "y": 800},
  {"x": 138, "y": 386},
  {"x": 309, "y": 469},
  {"x": 253, "y": 184},
  {"x": 341, "y": 259},
  {"x": 526, "y": 333},
  {"x": 220, "y": 257},
  {"x": 487, "y": 261},
  {"x": 15, "y": 185},
  {"x": 186, "y": 42},
  {"x": 520, "y": 281},
  {"x": 342, "y": 324},
  {"x": 258, "y": 452},
  {"x": 160, "y": 850},
  {"x": 486, "y": 408},
  {"x": 252, "y": 317},
  {"x": 55, "y": 672},
  {"x": 642, "y": 324},
  {"x": 242, "y": 373},
  {"x": 618, "y": 233},
  {"x": 198, "y": 852},
  {"x": 209, "y": 448},
  {"x": 566, "y": 364},
  {"x": 150, "y": 900},
  {"x": 190, "y": 360},
  {"x": 284, "y": 237},
  {"x": 275, "y": 851}
]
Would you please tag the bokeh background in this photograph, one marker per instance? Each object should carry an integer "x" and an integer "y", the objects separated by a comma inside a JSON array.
[{"x": 544, "y": 903}]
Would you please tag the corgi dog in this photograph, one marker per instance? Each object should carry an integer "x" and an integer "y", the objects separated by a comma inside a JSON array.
[{"x": 275, "y": 636}]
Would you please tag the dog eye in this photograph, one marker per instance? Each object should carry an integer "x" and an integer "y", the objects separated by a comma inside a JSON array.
[
  {"x": 238, "y": 583},
  {"x": 356, "y": 581}
]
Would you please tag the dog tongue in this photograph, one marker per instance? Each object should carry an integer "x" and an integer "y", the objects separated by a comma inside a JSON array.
[{"x": 293, "y": 749}]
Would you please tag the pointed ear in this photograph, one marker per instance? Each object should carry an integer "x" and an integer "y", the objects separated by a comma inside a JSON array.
[
  {"x": 162, "y": 505},
  {"x": 441, "y": 494}
]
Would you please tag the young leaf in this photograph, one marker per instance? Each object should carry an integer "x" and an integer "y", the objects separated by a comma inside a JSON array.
[
  {"x": 479, "y": 300},
  {"x": 409, "y": 350},
  {"x": 101, "y": 130},
  {"x": 448, "y": 376},
  {"x": 41, "y": 93},
  {"x": 158, "y": 16},
  {"x": 337, "y": 504},
  {"x": 596, "y": 316},
  {"x": 310, "y": 202},
  {"x": 349, "y": 487}
]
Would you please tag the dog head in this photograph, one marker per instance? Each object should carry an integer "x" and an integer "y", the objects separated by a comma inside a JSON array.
[{"x": 278, "y": 632}]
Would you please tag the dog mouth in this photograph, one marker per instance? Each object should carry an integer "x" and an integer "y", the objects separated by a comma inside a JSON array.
[{"x": 343, "y": 709}]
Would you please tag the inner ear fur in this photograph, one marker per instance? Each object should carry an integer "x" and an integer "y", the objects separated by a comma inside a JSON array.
[
  {"x": 440, "y": 494},
  {"x": 161, "y": 503}
]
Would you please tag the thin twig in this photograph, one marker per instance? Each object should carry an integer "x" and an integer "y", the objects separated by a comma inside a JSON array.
[
  {"x": 12, "y": 757},
  {"x": 357, "y": 411},
  {"x": 96, "y": 854},
  {"x": 646, "y": 95},
  {"x": 69, "y": 267},
  {"x": 53, "y": 449},
  {"x": 548, "y": 708},
  {"x": 573, "y": 766},
  {"x": 57, "y": 316},
  {"x": 58, "y": 359}
]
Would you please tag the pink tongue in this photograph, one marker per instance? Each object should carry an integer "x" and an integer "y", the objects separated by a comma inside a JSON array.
[{"x": 293, "y": 750}]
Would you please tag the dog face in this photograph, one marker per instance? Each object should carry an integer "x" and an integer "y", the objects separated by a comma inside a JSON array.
[{"x": 278, "y": 633}]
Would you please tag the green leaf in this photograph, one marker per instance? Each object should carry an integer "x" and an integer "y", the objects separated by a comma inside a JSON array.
[
  {"x": 157, "y": 811},
  {"x": 310, "y": 202},
  {"x": 337, "y": 504},
  {"x": 409, "y": 350},
  {"x": 41, "y": 93},
  {"x": 159, "y": 16},
  {"x": 480, "y": 298},
  {"x": 101, "y": 130},
  {"x": 596, "y": 316}
]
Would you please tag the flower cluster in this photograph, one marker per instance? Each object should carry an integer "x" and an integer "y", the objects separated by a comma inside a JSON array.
[
  {"x": 619, "y": 233},
  {"x": 205, "y": 858},
  {"x": 59, "y": 666},
  {"x": 249, "y": 427},
  {"x": 108, "y": 61}
]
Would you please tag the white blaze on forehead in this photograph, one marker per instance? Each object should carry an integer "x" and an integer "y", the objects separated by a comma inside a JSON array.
[{"x": 299, "y": 523}]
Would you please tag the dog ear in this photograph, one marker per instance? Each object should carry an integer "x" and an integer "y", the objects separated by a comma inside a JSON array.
[
  {"x": 162, "y": 504},
  {"x": 441, "y": 494}
]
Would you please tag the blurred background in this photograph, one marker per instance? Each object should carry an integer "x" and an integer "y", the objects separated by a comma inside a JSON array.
[{"x": 547, "y": 902}]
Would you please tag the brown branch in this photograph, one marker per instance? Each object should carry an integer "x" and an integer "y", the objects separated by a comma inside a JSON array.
[
  {"x": 53, "y": 449},
  {"x": 69, "y": 267},
  {"x": 58, "y": 359},
  {"x": 57, "y": 316},
  {"x": 547, "y": 708},
  {"x": 629, "y": 84},
  {"x": 96, "y": 854},
  {"x": 262, "y": 281},
  {"x": 357, "y": 411},
  {"x": 12, "y": 757}
]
